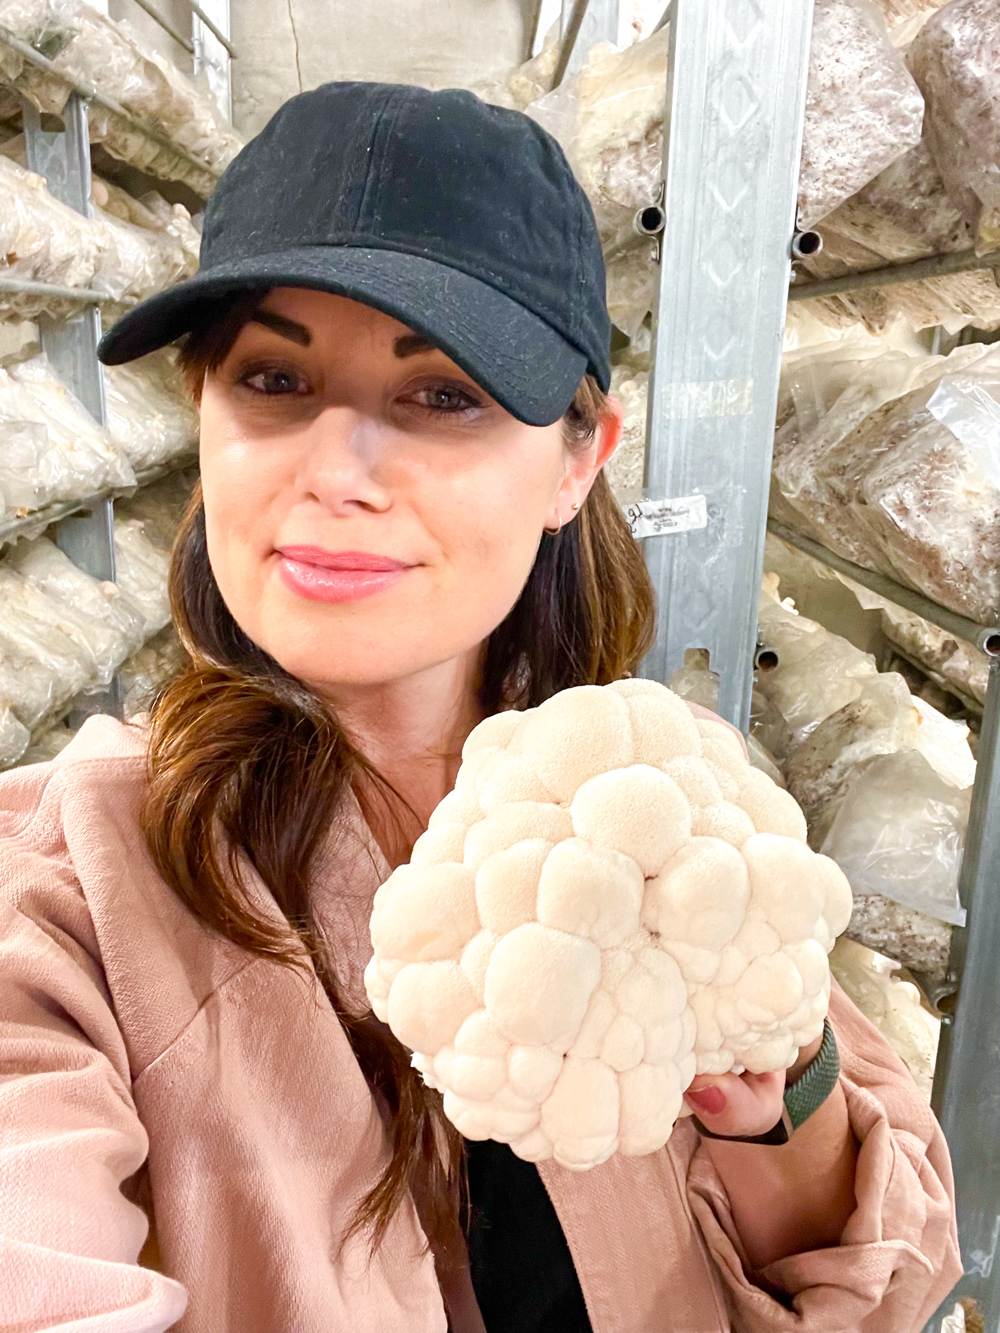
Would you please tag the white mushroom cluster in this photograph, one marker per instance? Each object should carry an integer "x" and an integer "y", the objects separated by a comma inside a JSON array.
[{"x": 610, "y": 901}]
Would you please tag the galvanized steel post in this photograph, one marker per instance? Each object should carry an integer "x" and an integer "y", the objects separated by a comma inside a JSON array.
[
  {"x": 732, "y": 140},
  {"x": 63, "y": 158},
  {"x": 966, "y": 1094}
]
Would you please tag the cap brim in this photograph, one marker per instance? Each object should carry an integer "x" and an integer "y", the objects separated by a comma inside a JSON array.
[{"x": 519, "y": 359}]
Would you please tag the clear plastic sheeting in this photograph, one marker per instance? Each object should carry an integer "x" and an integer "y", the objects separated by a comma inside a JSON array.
[
  {"x": 19, "y": 339},
  {"x": 955, "y": 59},
  {"x": 79, "y": 458},
  {"x": 632, "y": 283},
  {"x": 901, "y": 15},
  {"x": 149, "y": 669},
  {"x": 122, "y": 258},
  {"x": 42, "y": 239},
  {"x": 193, "y": 143},
  {"x": 954, "y": 301},
  {"x": 25, "y": 482},
  {"x": 63, "y": 633},
  {"x": 948, "y": 661},
  {"x": 818, "y": 673},
  {"x": 117, "y": 627},
  {"x": 526, "y": 82},
  {"x": 918, "y": 941},
  {"x": 138, "y": 261},
  {"x": 863, "y": 109},
  {"x": 14, "y": 737},
  {"x": 160, "y": 507},
  {"x": 47, "y": 742},
  {"x": 609, "y": 119},
  {"x": 624, "y": 469},
  {"x": 891, "y": 486},
  {"x": 892, "y": 1004},
  {"x": 900, "y": 832},
  {"x": 637, "y": 352},
  {"x": 149, "y": 416},
  {"x": 145, "y": 529},
  {"x": 844, "y": 720},
  {"x": 904, "y": 214},
  {"x": 884, "y": 718},
  {"x": 944, "y": 743},
  {"x": 151, "y": 213},
  {"x": 48, "y": 652},
  {"x": 880, "y": 720},
  {"x": 141, "y": 572},
  {"x": 968, "y": 403},
  {"x": 942, "y": 196}
]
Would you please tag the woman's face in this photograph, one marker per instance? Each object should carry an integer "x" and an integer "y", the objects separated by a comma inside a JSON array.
[{"x": 370, "y": 511}]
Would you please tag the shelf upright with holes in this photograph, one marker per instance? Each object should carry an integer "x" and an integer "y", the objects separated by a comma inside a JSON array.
[{"x": 63, "y": 159}]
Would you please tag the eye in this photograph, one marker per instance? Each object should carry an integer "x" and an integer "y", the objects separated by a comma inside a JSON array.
[
  {"x": 450, "y": 398},
  {"x": 274, "y": 380}
]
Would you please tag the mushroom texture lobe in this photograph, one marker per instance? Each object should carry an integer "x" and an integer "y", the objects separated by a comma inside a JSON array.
[{"x": 610, "y": 901}]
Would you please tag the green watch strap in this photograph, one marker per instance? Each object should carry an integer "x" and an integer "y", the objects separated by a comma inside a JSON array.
[
  {"x": 815, "y": 1084},
  {"x": 809, "y": 1091}
]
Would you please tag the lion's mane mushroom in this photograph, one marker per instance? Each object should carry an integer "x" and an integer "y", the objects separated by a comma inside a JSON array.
[{"x": 609, "y": 902}]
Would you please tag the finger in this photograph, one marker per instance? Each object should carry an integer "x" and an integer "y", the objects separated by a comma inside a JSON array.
[{"x": 738, "y": 1105}]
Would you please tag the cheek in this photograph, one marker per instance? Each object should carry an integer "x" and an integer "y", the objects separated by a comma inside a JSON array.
[
  {"x": 487, "y": 522},
  {"x": 239, "y": 483}
]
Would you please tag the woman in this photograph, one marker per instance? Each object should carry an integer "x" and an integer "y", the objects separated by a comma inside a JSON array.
[{"x": 399, "y": 344}]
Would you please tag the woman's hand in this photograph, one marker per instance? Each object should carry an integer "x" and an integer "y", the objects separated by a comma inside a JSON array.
[
  {"x": 791, "y": 1197},
  {"x": 741, "y": 1104}
]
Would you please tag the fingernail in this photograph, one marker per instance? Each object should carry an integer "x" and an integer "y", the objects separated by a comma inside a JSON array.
[{"x": 710, "y": 1100}]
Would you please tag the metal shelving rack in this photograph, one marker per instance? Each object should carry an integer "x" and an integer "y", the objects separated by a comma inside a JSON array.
[
  {"x": 84, "y": 530},
  {"x": 732, "y": 140}
]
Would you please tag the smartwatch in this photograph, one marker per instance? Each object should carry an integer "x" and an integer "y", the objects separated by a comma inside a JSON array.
[{"x": 809, "y": 1091}]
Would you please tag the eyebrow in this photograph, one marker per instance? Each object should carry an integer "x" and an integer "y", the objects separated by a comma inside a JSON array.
[
  {"x": 408, "y": 344},
  {"x": 286, "y": 328},
  {"x": 411, "y": 344}
]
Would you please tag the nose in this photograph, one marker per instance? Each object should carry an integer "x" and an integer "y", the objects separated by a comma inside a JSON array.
[{"x": 341, "y": 463}]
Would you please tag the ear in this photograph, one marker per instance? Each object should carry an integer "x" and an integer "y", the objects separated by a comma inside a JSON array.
[{"x": 583, "y": 465}]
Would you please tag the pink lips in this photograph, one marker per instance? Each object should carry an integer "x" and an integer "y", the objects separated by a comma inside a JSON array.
[{"x": 337, "y": 576}]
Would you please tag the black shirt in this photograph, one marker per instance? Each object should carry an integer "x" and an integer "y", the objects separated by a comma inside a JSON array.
[{"x": 522, "y": 1270}]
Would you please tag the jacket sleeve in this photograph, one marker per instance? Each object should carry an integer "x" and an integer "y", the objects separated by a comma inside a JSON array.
[
  {"x": 69, "y": 1131},
  {"x": 898, "y": 1255}
]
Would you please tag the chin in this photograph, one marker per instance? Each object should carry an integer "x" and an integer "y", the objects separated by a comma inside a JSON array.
[
  {"x": 355, "y": 650},
  {"x": 351, "y": 666}
]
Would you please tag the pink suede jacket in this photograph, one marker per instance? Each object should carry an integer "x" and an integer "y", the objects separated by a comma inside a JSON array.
[{"x": 184, "y": 1131}]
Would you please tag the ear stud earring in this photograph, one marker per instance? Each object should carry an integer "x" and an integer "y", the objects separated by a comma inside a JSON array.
[{"x": 554, "y": 532}]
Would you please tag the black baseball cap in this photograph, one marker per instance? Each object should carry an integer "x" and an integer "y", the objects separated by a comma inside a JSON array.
[{"x": 460, "y": 219}]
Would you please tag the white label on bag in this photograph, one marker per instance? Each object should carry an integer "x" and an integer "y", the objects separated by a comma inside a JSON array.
[{"x": 658, "y": 518}]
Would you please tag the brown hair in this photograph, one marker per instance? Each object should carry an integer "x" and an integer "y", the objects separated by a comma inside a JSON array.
[{"x": 239, "y": 746}]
